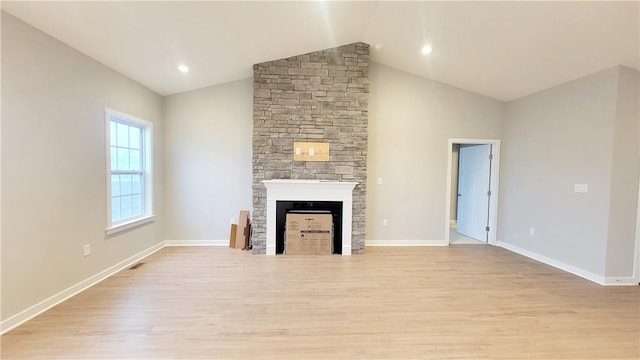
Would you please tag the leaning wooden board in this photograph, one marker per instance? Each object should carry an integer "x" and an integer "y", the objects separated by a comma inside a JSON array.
[
  {"x": 243, "y": 229},
  {"x": 232, "y": 236}
]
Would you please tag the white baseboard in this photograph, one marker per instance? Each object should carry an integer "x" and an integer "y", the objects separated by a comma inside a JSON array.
[
  {"x": 196, "y": 243},
  {"x": 555, "y": 263},
  {"x": 621, "y": 281},
  {"x": 406, "y": 243},
  {"x": 47, "y": 304}
]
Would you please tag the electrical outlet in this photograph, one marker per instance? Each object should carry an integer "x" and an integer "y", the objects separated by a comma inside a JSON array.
[
  {"x": 379, "y": 181},
  {"x": 532, "y": 232},
  {"x": 385, "y": 222},
  {"x": 87, "y": 250}
]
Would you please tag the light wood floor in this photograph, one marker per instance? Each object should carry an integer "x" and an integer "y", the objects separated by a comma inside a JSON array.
[{"x": 457, "y": 302}]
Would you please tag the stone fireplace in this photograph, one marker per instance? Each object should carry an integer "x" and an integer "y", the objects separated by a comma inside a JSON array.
[{"x": 316, "y": 97}]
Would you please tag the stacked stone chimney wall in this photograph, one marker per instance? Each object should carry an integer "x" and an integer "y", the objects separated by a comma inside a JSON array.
[{"x": 316, "y": 97}]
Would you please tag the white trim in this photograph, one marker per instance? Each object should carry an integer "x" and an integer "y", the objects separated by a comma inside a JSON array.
[
  {"x": 555, "y": 263},
  {"x": 621, "y": 281},
  {"x": 47, "y": 304},
  {"x": 130, "y": 225},
  {"x": 148, "y": 178},
  {"x": 196, "y": 243},
  {"x": 636, "y": 261},
  {"x": 406, "y": 243},
  {"x": 493, "y": 186},
  {"x": 0, "y": 185}
]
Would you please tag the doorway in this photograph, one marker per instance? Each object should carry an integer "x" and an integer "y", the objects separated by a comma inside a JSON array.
[
  {"x": 472, "y": 191},
  {"x": 472, "y": 215}
]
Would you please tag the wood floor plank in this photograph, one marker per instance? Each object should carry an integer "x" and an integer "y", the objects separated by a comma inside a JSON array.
[{"x": 457, "y": 302}]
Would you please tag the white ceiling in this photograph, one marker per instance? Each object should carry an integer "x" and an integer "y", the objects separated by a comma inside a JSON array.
[{"x": 504, "y": 50}]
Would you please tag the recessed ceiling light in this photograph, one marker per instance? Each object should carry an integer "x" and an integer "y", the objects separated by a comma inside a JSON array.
[
  {"x": 183, "y": 68},
  {"x": 426, "y": 50}
]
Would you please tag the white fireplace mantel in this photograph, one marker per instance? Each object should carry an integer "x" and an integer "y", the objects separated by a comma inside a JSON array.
[{"x": 309, "y": 190}]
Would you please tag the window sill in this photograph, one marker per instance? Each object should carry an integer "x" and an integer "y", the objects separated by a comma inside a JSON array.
[{"x": 130, "y": 225}]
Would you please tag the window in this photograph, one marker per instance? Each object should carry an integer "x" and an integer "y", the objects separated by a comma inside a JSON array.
[{"x": 129, "y": 179}]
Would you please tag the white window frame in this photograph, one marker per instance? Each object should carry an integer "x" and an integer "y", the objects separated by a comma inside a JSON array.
[{"x": 147, "y": 166}]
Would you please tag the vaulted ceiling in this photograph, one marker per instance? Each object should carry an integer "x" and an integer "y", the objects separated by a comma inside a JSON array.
[{"x": 504, "y": 50}]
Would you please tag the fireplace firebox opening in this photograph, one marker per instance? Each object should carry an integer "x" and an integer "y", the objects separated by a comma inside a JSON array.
[{"x": 283, "y": 207}]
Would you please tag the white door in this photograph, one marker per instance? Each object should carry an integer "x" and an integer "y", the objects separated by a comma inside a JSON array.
[{"x": 473, "y": 190}]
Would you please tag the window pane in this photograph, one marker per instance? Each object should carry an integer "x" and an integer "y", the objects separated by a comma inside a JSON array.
[
  {"x": 135, "y": 137},
  {"x": 125, "y": 184},
  {"x": 123, "y": 159},
  {"x": 127, "y": 145},
  {"x": 114, "y": 159},
  {"x": 135, "y": 158},
  {"x": 115, "y": 185},
  {"x": 123, "y": 135},
  {"x": 115, "y": 209},
  {"x": 125, "y": 207},
  {"x": 136, "y": 184},
  {"x": 137, "y": 205},
  {"x": 112, "y": 132}
]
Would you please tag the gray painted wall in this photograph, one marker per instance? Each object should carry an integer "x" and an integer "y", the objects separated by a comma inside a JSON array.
[
  {"x": 410, "y": 121},
  {"x": 54, "y": 166},
  {"x": 624, "y": 177},
  {"x": 411, "y": 114},
  {"x": 207, "y": 156},
  {"x": 560, "y": 137}
]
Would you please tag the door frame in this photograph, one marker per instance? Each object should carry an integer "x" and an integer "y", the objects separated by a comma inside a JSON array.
[
  {"x": 493, "y": 185},
  {"x": 636, "y": 260}
]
